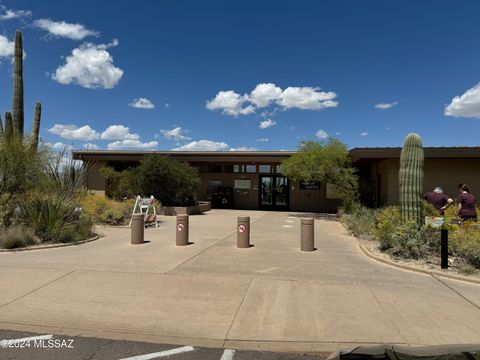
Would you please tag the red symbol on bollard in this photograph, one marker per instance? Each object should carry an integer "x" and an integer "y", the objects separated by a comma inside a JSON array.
[
  {"x": 180, "y": 227},
  {"x": 242, "y": 228}
]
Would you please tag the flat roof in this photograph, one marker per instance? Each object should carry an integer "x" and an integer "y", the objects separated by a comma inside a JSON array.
[
  {"x": 356, "y": 154},
  {"x": 461, "y": 152},
  {"x": 135, "y": 155}
]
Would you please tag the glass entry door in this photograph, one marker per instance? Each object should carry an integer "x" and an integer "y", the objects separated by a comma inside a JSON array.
[{"x": 273, "y": 192}]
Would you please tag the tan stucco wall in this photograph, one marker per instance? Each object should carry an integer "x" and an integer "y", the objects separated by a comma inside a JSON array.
[
  {"x": 95, "y": 180},
  {"x": 447, "y": 173}
]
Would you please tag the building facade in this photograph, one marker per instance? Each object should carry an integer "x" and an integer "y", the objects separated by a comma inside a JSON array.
[
  {"x": 378, "y": 170},
  {"x": 241, "y": 180},
  {"x": 252, "y": 179}
]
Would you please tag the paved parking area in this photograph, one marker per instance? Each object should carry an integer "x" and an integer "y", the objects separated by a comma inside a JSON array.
[
  {"x": 26, "y": 346},
  {"x": 270, "y": 296}
]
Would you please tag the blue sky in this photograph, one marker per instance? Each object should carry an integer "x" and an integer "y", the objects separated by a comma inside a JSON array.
[{"x": 366, "y": 72}]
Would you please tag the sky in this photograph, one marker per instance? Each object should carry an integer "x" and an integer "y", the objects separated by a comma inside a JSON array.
[{"x": 246, "y": 75}]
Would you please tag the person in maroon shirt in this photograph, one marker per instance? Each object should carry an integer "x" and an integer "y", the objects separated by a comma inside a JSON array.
[
  {"x": 466, "y": 204},
  {"x": 438, "y": 199}
]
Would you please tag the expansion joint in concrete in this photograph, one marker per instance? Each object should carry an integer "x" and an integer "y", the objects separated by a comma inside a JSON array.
[{"x": 36, "y": 289}]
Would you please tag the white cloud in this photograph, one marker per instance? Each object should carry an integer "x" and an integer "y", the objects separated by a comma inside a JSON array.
[
  {"x": 58, "y": 146},
  {"x": 264, "y": 94},
  {"x": 175, "y": 134},
  {"x": 90, "y": 146},
  {"x": 6, "y": 47},
  {"x": 337, "y": 133},
  {"x": 142, "y": 103},
  {"x": 230, "y": 103},
  {"x": 267, "y": 123},
  {"x": 466, "y": 105},
  {"x": 307, "y": 98},
  {"x": 129, "y": 143},
  {"x": 364, "y": 134},
  {"x": 90, "y": 66},
  {"x": 243, "y": 148},
  {"x": 265, "y": 139},
  {"x": 321, "y": 134},
  {"x": 385, "y": 106},
  {"x": 203, "y": 145},
  {"x": 64, "y": 29},
  {"x": 118, "y": 132},
  {"x": 7, "y": 14},
  {"x": 72, "y": 132},
  {"x": 167, "y": 105}
]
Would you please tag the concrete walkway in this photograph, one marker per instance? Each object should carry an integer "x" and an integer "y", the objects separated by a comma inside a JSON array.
[{"x": 270, "y": 296}]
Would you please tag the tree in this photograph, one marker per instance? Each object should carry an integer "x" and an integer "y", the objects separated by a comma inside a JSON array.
[
  {"x": 327, "y": 162},
  {"x": 171, "y": 181}
]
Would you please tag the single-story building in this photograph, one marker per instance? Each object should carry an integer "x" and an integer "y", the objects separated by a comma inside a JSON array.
[{"x": 252, "y": 179}]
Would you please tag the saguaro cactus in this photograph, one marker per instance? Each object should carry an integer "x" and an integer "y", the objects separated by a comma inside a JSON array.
[
  {"x": 2, "y": 133},
  {"x": 36, "y": 127},
  {"x": 8, "y": 126},
  {"x": 411, "y": 178},
  {"x": 18, "y": 119}
]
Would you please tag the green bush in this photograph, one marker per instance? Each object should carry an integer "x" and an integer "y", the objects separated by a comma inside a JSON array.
[
  {"x": 361, "y": 221},
  {"x": 388, "y": 220},
  {"x": 55, "y": 220},
  {"x": 172, "y": 182},
  {"x": 120, "y": 185},
  {"x": 16, "y": 236},
  {"x": 465, "y": 243},
  {"x": 105, "y": 211}
]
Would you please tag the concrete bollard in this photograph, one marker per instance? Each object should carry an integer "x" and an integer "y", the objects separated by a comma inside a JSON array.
[
  {"x": 243, "y": 232},
  {"x": 307, "y": 235},
  {"x": 137, "y": 229},
  {"x": 182, "y": 230}
]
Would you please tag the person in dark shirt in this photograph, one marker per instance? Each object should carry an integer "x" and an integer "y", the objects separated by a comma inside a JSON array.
[
  {"x": 466, "y": 204},
  {"x": 438, "y": 199}
]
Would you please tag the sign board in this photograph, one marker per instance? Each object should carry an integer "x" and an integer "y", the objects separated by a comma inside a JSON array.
[
  {"x": 434, "y": 221},
  {"x": 242, "y": 228},
  {"x": 242, "y": 184},
  {"x": 180, "y": 227},
  {"x": 309, "y": 185}
]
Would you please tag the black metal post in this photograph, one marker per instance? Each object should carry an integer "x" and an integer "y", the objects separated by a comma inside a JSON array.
[{"x": 444, "y": 248}]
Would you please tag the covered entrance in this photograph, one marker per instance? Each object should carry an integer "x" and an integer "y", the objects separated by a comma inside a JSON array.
[{"x": 273, "y": 192}]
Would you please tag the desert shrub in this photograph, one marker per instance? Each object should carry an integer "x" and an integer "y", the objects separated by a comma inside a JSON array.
[
  {"x": 361, "y": 221},
  {"x": 120, "y": 185},
  {"x": 106, "y": 211},
  {"x": 465, "y": 243},
  {"x": 408, "y": 241},
  {"x": 63, "y": 176},
  {"x": 428, "y": 209},
  {"x": 171, "y": 181},
  {"x": 388, "y": 220},
  {"x": 20, "y": 171},
  {"x": 55, "y": 220},
  {"x": 16, "y": 236}
]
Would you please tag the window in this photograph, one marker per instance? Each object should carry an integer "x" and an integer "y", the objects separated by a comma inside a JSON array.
[
  {"x": 214, "y": 168},
  {"x": 278, "y": 169},
  {"x": 265, "y": 168},
  {"x": 251, "y": 168},
  {"x": 238, "y": 168},
  {"x": 213, "y": 186}
]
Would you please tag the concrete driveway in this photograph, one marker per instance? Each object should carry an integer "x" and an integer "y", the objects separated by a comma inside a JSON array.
[{"x": 269, "y": 297}]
